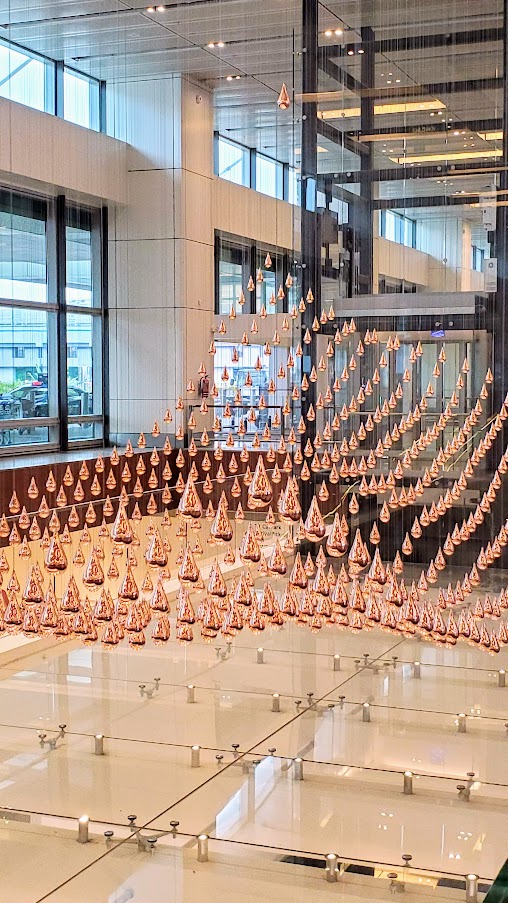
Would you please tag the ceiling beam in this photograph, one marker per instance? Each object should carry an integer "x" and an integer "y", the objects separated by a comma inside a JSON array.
[
  {"x": 340, "y": 75},
  {"x": 401, "y": 173},
  {"x": 423, "y": 42},
  {"x": 342, "y": 139},
  {"x": 432, "y": 89},
  {"x": 438, "y": 200},
  {"x": 470, "y": 125}
]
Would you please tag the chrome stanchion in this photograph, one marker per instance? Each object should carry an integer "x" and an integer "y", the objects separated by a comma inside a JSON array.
[
  {"x": 471, "y": 888},
  {"x": 203, "y": 847},
  {"x": 195, "y": 750},
  {"x": 83, "y": 824},
  {"x": 298, "y": 766},
  {"x": 332, "y": 867}
]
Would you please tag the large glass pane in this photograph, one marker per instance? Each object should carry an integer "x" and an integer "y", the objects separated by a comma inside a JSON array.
[
  {"x": 293, "y": 186},
  {"x": 27, "y": 388},
  {"x": 268, "y": 176},
  {"x": 81, "y": 99},
  {"x": 84, "y": 376},
  {"x": 26, "y": 79},
  {"x": 23, "y": 264},
  {"x": 78, "y": 245},
  {"x": 234, "y": 272},
  {"x": 233, "y": 162}
]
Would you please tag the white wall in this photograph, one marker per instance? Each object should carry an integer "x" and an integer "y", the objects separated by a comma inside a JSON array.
[
  {"x": 243, "y": 211},
  {"x": 47, "y": 154}
]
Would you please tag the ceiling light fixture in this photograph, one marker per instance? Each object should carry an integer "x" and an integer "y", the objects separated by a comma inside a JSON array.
[
  {"x": 338, "y": 32},
  {"x": 447, "y": 157},
  {"x": 328, "y": 33}
]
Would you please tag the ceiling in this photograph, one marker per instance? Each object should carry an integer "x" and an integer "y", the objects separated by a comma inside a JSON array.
[{"x": 435, "y": 85}]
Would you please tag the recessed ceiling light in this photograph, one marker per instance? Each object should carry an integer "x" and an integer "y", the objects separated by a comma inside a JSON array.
[
  {"x": 211, "y": 44},
  {"x": 361, "y": 50},
  {"x": 160, "y": 9},
  {"x": 229, "y": 78},
  {"x": 328, "y": 33},
  {"x": 150, "y": 9},
  {"x": 338, "y": 32},
  {"x": 220, "y": 43},
  {"x": 237, "y": 77}
]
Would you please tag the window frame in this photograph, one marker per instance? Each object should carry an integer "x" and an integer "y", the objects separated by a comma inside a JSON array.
[
  {"x": 54, "y": 88},
  {"x": 55, "y": 310}
]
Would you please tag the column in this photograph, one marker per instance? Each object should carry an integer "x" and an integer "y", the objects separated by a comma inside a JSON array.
[{"x": 161, "y": 249}]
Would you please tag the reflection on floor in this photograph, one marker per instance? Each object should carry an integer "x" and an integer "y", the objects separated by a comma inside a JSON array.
[{"x": 358, "y": 723}]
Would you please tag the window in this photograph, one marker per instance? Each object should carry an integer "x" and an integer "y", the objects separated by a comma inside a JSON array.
[
  {"x": 233, "y": 162},
  {"x": 29, "y": 323},
  {"x": 84, "y": 325},
  {"x": 23, "y": 268},
  {"x": 233, "y": 263},
  {"x": 477, "y": 258},
  {"x": 269, "y": 176},
  {"x": 26, "y": 78},
  {"x": 33, "y": 80},
  {"x": 396, "y": 227},
  {"x": 81, "y": 99}
]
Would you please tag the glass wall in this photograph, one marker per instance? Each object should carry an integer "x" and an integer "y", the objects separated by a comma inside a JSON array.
[{"x": 29, "y": 323}]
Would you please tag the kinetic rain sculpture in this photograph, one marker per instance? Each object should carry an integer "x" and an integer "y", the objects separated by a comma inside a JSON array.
[{"x": 365, "y": 592}]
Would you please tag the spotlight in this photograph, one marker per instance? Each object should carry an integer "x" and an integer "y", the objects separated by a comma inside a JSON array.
[
  {"x": 211, "y": 44},
  {"x": 361, "y": 50},
  {"x": 220, "y": 43},
  {"x": 229, "y": 78},
  {"x": 150, "y": 9},
  {"x": 160, "y": 9},
  {"x": 328, "y": 33},
  {"x": 350, "y": 50},
  {"x": 338, "y": 32}
]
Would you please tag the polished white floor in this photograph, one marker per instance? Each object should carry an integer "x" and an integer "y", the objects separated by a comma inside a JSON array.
[{"x": 350, "y": 801}]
